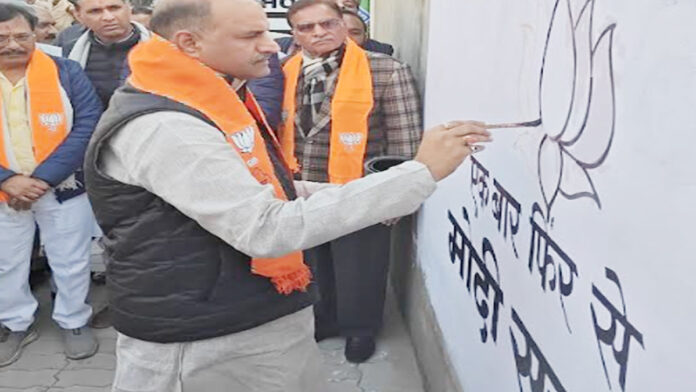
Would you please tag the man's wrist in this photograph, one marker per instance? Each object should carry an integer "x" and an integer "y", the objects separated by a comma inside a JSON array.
[
  {"x": 34, "y": 177},
  {"x": 4, "y": 180}
]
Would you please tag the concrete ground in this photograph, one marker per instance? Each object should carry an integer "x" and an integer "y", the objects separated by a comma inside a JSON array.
[{"x": 44, "y": 368}]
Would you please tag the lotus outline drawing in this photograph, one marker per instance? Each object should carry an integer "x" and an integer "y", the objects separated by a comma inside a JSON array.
[{"x": 576, "y": 104}]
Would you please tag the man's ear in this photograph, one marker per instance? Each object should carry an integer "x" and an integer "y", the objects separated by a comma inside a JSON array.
[{"x": 187, "y": 42}]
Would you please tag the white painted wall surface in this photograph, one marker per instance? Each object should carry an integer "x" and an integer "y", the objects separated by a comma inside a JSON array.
[
  {"x": 484, "y": 62},
  {"x": 404, "y": 24}
]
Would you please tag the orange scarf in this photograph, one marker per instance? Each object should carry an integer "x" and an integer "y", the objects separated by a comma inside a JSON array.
[
  {"x": 46, "y": 112},
  {"x": 161, "y": 69},
  {"x": 350, "y": 110}
]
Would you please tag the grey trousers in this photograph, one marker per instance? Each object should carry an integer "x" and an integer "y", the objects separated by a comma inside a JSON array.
[{"x": 279, "y": 356}]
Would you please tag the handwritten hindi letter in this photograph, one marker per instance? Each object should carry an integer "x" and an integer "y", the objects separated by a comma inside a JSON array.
[{"x": 608, "y": 336}]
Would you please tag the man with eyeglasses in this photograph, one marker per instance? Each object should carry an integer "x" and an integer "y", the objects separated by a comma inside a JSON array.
[
  {"x": 342, "y": 106},
  {"x": 49, "y": 111},
  {"x": 357, "y": 30}
]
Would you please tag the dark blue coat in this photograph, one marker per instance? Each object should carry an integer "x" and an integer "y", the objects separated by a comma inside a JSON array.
[
  {"x": 68, "y": 157},
  {"x": 378, "y": 47},
  {"x": 268, "y": 92}
]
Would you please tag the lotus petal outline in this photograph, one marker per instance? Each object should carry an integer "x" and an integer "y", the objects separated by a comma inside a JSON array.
[{"x": 576, "y": 104}]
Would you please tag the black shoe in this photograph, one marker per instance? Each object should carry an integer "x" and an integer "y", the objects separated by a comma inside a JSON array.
[
  {"x": 359, "y": 348},
  {"x": 98, "y": 278},
  {"x": 102, "y": 319}
]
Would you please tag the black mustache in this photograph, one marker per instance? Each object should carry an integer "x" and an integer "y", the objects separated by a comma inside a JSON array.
[{"x": 12, "y": 52}]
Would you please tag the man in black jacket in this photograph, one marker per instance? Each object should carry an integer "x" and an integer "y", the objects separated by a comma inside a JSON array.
[
  {"x": 103, "y": 47},
  {"x": 206, "y": 282}
]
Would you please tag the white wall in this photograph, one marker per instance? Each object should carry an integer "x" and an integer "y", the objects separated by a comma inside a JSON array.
[
  {"x": 623, "y": 178},
  {"x": 404, "y": 24}
]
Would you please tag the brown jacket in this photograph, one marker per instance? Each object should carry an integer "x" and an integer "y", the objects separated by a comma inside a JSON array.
[{"x": 395, "y": 124}]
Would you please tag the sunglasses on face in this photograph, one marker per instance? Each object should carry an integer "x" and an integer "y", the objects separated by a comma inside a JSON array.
[{"x": 329, "y": 25}]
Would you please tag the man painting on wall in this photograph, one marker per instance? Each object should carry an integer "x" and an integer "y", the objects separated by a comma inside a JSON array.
[{"x": 203, "y": 223}]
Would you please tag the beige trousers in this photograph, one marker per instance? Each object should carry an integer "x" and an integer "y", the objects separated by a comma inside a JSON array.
[{"x": 279, "y": 356}]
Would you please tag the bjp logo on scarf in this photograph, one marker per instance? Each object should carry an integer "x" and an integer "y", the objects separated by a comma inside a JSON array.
[
  {"x": 244, "y": 139},
  {"x": 51, "y": 120},
  {"x": 350, "y": 139}
]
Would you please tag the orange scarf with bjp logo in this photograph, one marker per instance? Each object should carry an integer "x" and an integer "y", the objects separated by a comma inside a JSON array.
[
  {"x": 46, "y": 113},
  {"x": 161, "y": 69},
  {"x": 351, "y": 106}
]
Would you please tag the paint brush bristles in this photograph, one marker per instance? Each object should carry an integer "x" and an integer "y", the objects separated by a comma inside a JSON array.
[{"x": 525, "y": 124}]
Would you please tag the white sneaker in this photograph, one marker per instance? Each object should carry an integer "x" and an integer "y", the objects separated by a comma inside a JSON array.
[{"x": 12, "y": 343}]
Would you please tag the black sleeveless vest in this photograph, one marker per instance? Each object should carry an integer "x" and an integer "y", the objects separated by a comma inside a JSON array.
[{"x": 170, "y": 280}]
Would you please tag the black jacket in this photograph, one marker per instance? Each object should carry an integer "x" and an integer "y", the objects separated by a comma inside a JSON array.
[{"x": 106, "y": 63}]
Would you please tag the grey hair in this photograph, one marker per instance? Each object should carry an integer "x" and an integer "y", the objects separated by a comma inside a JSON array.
[{"x": 172, "y": 16}]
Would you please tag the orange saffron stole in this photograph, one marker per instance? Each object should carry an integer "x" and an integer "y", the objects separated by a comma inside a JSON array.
[
  {"x": 161, "y": 69},
  {"x": 47, "y": 115},
  {"x": 351, "y": 106}
]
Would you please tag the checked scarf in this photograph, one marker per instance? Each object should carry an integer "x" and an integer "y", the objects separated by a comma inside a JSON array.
[{"x": 316, "y": 72}]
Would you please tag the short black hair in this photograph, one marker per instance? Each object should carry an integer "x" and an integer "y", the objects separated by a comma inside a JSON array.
[
  {"x": 76, "y": 3},
  {"x": 350, "y": 12},
  {"x": 141, "y": 10},
  {"x": 299, "y": 5},
  {"x": 11, "y": 10}
]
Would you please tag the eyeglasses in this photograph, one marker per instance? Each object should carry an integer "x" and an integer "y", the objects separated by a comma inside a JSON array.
[
  {"x": 22, "y": 38},
  {"x": 329, "y": 25}
]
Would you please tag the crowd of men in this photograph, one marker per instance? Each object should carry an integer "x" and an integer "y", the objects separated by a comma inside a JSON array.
[{"x": 226, "y": 172}]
